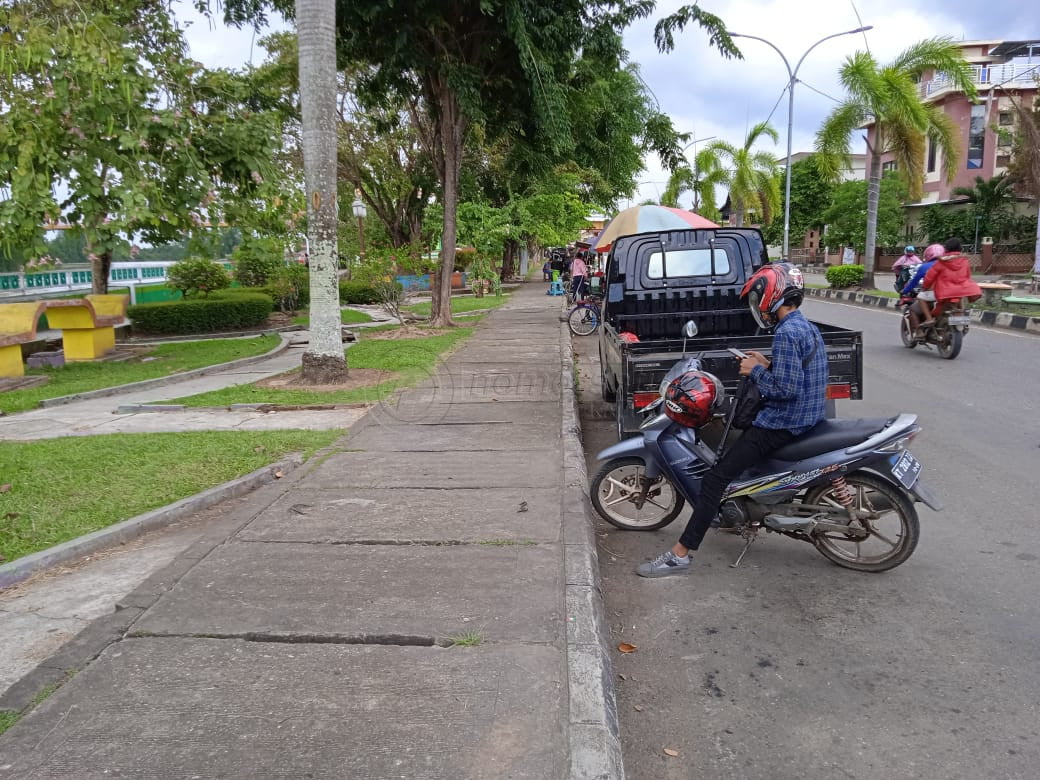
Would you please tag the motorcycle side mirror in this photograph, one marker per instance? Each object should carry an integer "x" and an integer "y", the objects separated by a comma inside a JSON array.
[{"x": 690, "y": 329}]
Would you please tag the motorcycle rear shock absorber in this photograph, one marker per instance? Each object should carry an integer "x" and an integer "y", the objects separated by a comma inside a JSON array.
[{"x": 845, "y": 495}]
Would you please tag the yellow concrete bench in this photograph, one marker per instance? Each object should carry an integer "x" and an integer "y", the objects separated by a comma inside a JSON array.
[{"x": 87, "y": 325}]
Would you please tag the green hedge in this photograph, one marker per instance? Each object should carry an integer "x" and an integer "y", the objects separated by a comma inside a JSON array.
[
  {"x": 844, "y": 275},
  {"x": 357, "y": 293},
  {"x": 217, "y": 313}
]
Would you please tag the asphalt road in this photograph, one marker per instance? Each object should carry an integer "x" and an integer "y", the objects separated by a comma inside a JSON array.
[{"x": 790, "y": 667}]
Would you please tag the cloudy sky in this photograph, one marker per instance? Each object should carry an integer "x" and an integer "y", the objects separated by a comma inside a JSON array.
[{"x": 711, "y": 96}]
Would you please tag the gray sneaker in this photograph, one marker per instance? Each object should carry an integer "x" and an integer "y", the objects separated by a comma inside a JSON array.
[{"x": 664, "y": 565}]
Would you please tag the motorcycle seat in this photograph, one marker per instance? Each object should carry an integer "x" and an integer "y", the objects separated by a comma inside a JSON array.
[{"x": 829, "y": 435}]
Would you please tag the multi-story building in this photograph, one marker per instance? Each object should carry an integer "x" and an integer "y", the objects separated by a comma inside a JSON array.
[{"x": 1004, "y": 72}]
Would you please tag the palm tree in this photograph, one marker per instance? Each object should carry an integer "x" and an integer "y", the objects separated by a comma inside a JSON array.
[
  {"x": 753, "y": 177},
  {"x": 700, "y": 180},
  {"x": 888, "y": 99},
  {"x": 324, "y": 361},
  {"x": 992, "y": 200}
]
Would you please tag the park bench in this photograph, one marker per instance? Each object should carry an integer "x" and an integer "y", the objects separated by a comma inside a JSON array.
[
  {"x": 87, "y": 325},
  {"x": 991, "y": 292}
]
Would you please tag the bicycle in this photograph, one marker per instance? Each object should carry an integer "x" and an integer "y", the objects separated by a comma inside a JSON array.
[{"x": 584, "y": 317}]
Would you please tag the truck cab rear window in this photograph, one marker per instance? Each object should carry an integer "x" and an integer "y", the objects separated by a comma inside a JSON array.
[{"x": 686, "y": 262}]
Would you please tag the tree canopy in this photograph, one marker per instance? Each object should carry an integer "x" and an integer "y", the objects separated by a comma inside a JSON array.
[
  {"x": 109, "y": 126},
  {"x": 811, "y": 196},
  {"x": 846, "y": 218}
]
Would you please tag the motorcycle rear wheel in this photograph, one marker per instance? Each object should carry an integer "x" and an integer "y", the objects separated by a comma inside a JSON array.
[
  {"x": 906, "y": 333},
  {"x": 950, "y": 346},
  {"x": 616, "y": 486},
  {"x": 893, "y": 530}
]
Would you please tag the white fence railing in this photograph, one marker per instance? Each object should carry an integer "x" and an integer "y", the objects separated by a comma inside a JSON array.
[
  {"x": 986, "y": 75},
  {"x": 71, "y": 278}
]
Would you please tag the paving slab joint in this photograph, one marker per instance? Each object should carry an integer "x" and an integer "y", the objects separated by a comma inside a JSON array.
[{"x": 594, "y": 740}]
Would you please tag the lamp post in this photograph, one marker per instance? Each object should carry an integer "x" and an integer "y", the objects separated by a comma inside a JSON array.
[
  {"x": 792, "y": 78},
  {"x": 693, "y": 143}
]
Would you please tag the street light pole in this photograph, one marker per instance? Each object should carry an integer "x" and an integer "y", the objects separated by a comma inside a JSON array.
[
  {"x": 792, "y": 78},
  {"x": 360, "y": 211}
]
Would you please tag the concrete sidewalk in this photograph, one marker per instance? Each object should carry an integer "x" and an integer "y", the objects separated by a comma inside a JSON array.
[{"x": 424, "y": 604}]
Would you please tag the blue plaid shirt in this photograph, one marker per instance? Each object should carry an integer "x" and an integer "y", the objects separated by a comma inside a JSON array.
[{"x": 795, "y": 397}]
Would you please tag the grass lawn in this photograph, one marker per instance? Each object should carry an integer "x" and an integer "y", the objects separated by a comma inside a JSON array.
[
  {"x": 63, "y": 488},
  {"x": 159, "y": 360},
  {"x": 347, "y": 316},
  {"x": 409, "y": 359},
  {"x": 460, "y": 304}
]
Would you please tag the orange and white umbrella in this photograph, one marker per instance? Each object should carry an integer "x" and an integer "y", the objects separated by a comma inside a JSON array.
[{"x": 648, "y": 219}]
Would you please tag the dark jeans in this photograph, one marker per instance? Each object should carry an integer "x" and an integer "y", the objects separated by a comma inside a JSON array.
[
  {"x": 753, "y": 446},
  {"x": 578, "y": 287}
]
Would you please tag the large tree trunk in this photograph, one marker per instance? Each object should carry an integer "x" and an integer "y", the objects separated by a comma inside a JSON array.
[
  {"x": 451, "y": 129},
  {"x": 100, "y": 265},
  {"x": 324, "y": 361},
  {"x": 873, "y": 196},
  {"x": 739, "y": 212}
]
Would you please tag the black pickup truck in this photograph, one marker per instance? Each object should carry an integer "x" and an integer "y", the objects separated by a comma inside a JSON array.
[{"x": 655, "y": 283}]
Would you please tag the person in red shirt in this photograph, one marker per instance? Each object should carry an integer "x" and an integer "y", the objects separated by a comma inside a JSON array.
[{"x": 950, "y": 277}]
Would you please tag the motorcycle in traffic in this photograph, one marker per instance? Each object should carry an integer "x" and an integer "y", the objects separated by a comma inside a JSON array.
[{"x": 946, "y": 333}]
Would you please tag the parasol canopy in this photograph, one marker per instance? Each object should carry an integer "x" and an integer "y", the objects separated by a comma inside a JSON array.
[{"x": 648, "y": 219}]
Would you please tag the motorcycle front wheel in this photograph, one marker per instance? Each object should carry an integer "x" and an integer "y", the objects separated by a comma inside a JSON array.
[
  {"x": 951, "y": 343},
  {"x": 615, "y": 492},
  {"x": 885, "y": 536}
]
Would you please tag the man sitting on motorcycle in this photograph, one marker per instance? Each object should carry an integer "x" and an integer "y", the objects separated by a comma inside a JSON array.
[
  {"x": 920, "y": 309},
  {"x": 793, "y": 388},
  {"x": 951, "y": 278}
]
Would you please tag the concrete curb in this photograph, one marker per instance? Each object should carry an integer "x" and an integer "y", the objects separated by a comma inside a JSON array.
[
  {"x": 23, "y": 568},
  {"x": 993, "y": 319},
  {"x": 594, "y": 731},
  {"x": 163, "y": 381}
]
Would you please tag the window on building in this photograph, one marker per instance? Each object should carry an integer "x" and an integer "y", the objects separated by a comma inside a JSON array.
[
  {"x": 977, "y": 136},
  {"x": 931, "y": 156},
  {"x": 1003, "y": 160},
  {"x": 1006, "y": 118},
  {"x": 889, "y": 166}
]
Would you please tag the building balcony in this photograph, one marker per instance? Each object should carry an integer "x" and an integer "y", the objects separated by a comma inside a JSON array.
[{"x": 986, "y": 77}]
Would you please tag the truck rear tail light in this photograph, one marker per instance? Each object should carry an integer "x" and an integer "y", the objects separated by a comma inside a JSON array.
[
  {"x": 642, "y": 400},
  {"x": 839, "y": 391}
]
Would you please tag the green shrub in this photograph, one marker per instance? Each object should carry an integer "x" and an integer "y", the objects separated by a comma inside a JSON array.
[
  {"x": 290, "y": 288},
  {"x": 257, "y": 261},
  {"x": 224, "y": 312},
  {"x": 844, "y": 275},
  {"x": 357, "y": 293},
  {"x": 197, "y": 275}
]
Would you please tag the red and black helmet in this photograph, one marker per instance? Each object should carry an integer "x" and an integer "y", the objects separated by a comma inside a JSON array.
[
  {"x": 769, "y": 288},
  {"x": 692, "y": 398}
]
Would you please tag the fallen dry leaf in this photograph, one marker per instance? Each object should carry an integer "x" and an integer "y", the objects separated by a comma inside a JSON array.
[
  {"x": 637, "y": 708},
  {"x": 261, "y": 448},
  {"x": 625, "y": 647},
  {"x": 278, "y": 475},
  {"x": 670, "y": 752},
  {"x": 5, "y": 488}
]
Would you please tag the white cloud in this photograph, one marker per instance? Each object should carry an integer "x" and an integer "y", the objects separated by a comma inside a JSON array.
[{"x": 215, "y": 44}]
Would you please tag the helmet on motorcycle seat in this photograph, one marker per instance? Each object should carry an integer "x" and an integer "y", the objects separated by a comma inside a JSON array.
[
  {"x": 909, "y": 249},
  {"x": 769, "y": 288},
  {"x": 693, "y": 397},
  {"x": 933, "y": 251}
]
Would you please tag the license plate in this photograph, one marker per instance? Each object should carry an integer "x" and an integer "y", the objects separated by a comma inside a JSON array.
[
  {"x": 906, "y": 469},
  {"x": 960, "y": 320}
]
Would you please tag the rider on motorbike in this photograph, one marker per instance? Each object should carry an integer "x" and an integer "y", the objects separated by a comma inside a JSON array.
[
  {"x": 792, "y": 386},
  {"x": 951, "y": 278},
  {"x": 920, "y": 312}
]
